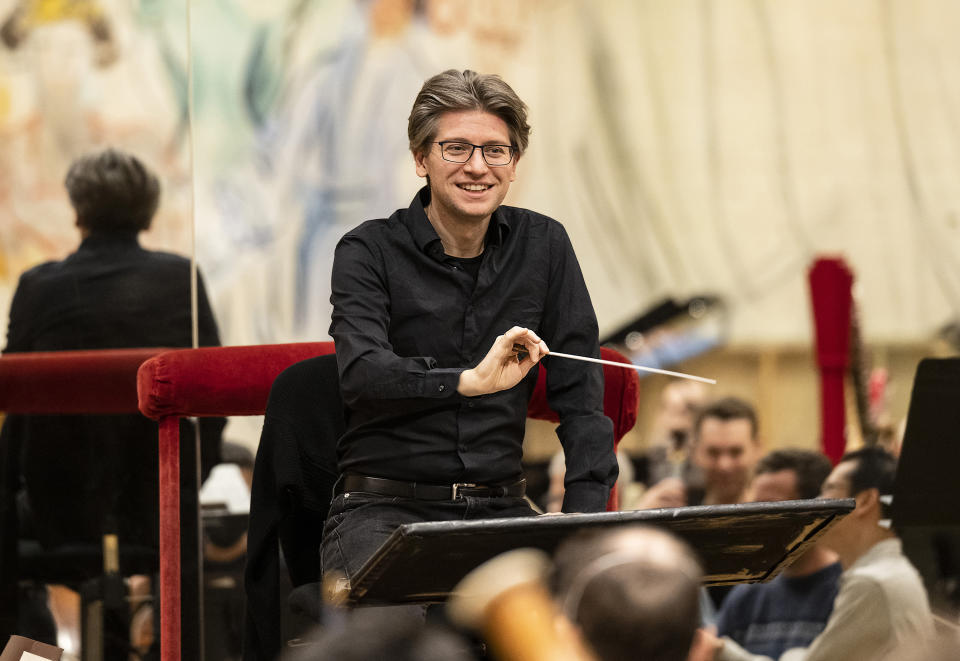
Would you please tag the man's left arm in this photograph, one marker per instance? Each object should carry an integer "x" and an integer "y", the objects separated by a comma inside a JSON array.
[{"x": 575, "y": 388}]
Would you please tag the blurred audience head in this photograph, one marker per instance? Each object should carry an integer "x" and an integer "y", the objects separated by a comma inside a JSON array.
[
  {"x": 861, "y": 470},
  {"x": 867, "y": 475},
  {"x": 790, "y": 474},
  {"x": 632, "y": 592},
  {"x": 391, "y": 634},
  {"x": 678, "y": 407},
  {"x": 726, "y": 448},
  {"x": 112, "y": 191}
]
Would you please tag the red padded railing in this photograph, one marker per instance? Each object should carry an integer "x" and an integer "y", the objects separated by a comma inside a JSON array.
[
  {"x": 101, "y": 382},
  {"x": 224, "y": 381},
  {"x": 214, "y": 381},
  {"x": 74, "y": 382}
]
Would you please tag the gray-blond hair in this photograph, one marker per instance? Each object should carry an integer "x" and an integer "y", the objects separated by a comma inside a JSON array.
[{"x": 455, "y": 90}]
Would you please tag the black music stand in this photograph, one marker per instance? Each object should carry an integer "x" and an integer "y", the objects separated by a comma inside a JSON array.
[
  {"x": 422, "y": 562},
  {"x": 926, "y": 514}
]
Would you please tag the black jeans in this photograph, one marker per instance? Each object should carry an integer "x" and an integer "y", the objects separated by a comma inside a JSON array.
[{"x": 358, "y": 522}]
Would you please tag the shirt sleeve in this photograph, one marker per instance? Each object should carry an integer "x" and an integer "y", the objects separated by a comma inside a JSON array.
[
  {"x": 575, "y": 388},
  {"x": 369, "y": 368},
  {"x": 858, "y": 629}
]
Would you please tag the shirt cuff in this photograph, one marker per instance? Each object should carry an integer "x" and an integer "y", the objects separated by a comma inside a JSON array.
[
  {"x": 585, "y": 497},
  {"x": 442, "y": 382}
]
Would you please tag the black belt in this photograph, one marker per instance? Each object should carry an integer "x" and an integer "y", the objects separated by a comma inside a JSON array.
[{"x": 419, "y": 491}]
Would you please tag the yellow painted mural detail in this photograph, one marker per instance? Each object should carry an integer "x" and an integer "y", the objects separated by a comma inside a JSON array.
[
  {"x": 39, "y": 12},
  {"x": 4, "y": 100}
]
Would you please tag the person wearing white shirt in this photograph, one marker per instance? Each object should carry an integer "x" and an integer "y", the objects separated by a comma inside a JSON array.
[{"x": 882, "y": 607}]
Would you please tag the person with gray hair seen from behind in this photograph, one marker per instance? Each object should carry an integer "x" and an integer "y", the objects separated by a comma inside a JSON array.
[
  {"x": 441, "y": 313},
  {"x": 792, "y": 609},
  {"x": 633, "y": 593}
]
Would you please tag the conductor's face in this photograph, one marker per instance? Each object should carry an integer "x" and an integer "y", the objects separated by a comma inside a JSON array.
[{"x": 468, "y": 191}]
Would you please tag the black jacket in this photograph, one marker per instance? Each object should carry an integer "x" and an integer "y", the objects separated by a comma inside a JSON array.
[
  {"x": 83, "y": 474},
  {"x": 293, "y": 483}
]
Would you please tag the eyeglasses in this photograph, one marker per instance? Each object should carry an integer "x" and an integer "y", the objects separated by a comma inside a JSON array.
[{"x": 461, "y": 152}]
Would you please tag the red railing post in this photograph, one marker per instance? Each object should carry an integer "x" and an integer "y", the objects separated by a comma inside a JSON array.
[{"x": 170, "y": 538}]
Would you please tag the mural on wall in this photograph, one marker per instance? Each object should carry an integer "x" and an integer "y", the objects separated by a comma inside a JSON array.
[
  {"x": 689, "y": 147},
  {"x": 77, "y": 75},
  {"x": 327, "y": 148}
]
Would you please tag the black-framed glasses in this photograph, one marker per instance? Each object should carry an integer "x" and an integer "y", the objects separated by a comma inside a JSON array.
[{"x": 461, "y": 152}]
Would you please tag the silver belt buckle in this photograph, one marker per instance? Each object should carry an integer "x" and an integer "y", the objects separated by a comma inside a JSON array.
[{"x": 455, "y": 489}]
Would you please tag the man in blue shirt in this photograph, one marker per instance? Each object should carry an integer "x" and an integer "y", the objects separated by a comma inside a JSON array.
[{"x": 792, "y": 609}]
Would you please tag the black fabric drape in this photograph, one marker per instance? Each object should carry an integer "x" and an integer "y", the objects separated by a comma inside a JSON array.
[{"x": 293, "y": 480}]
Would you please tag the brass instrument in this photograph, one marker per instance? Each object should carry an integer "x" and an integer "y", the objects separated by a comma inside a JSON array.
[{"x": 505, "y": 599}]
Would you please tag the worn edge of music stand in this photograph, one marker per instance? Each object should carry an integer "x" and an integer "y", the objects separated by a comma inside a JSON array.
[{"x": 823, "y": 514}]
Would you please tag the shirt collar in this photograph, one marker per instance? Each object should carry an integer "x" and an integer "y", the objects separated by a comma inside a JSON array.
[
  {"x": 426, "y": 237},
  {"x": 107, "y": 239},
  {"x": 883, "y": 549}
]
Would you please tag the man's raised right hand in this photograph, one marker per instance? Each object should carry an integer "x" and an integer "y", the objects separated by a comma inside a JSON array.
[{"x": 505, "y": 363}]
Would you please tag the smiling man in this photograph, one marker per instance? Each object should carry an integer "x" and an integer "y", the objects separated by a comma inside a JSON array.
[
  {"x": 725, "y": 449},
  {"x": 429, "y": 307},
  {"x": 726, "y": 446}
]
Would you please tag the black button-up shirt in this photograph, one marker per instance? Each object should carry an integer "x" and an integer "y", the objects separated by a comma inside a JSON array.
[{"x": 407, "y": 320}]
